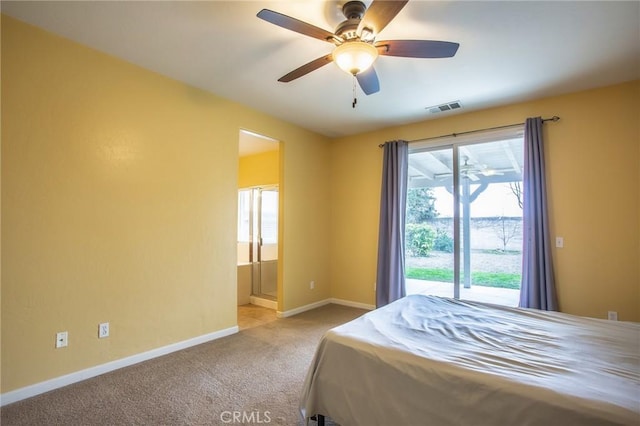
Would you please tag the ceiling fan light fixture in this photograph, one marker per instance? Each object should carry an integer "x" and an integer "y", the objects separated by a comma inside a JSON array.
[{"x": 354, "y": 57}]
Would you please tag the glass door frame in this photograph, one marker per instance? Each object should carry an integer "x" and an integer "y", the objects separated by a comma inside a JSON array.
[
  {"x": 454, "y": 143},
  {"x": 456, "y": 205}
]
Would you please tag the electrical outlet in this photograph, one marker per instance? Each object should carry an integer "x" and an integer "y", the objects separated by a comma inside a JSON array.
[
  {"x": 312, "y": 285},
  {"x": 62, "y": 339},
  {"x": 559, "y": 242},
  {"x": 103, "y": 330},
  {"x": 612, "y": 316}
]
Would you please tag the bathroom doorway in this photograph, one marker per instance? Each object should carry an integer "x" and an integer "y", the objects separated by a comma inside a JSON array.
[{"x": 258, "y": 220}]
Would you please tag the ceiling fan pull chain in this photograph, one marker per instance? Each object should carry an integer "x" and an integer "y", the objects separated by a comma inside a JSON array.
[{"x": 355, "y": 100}]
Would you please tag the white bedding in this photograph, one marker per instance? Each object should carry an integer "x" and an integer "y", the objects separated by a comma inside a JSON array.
[{"x": 425, "y": 360}]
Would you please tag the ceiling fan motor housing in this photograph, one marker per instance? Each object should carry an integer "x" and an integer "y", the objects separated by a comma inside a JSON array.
[
  {"x": 347, "y": 29},
  {"x": 353, "y": 11}
]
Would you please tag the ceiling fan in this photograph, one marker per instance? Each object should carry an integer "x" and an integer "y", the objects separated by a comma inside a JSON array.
[
  {"x": 471, "y": 171},
  {"x": 355, "y": 40}
]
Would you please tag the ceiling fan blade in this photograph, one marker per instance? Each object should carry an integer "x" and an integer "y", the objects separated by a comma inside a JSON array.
[
  {"x": 417, "y": 48},
  {"x": 306, "y": 68},
  {"x": 296, "y": 25},
  {"x": 379, "y": 14},
  {"x": 368, "y": 81}
]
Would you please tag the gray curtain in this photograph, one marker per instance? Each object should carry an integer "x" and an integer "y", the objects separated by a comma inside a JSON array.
[
  {"x": 538, "y": 287},
  {"x": 390, "y": 282}
]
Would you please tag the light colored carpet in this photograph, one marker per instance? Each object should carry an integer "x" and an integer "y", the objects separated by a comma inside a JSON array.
[{"x": 257, "y": 372}]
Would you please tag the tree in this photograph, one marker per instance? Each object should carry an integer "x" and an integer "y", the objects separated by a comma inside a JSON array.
[
  {"x": 506, "y": 231},
  {"x": 420, "y": 205},
  {"x": 516, "y": 188}
]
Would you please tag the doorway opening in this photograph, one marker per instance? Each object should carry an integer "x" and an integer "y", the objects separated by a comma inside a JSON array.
[{"x": 258, "y": 220}]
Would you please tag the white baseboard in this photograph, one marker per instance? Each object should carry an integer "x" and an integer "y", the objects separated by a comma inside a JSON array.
[
  {"x": 78, "y": 376},
  {"x": 353, "y": 304},
  {"x": 265, "y": 303},
  {"x": 301, "y": 309},
  {"x": 315, "y": 305}
]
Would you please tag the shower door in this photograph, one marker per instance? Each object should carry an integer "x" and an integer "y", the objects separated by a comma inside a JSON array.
[
  {"x": 265, "y": 268},
  {"x": 258, "y": 238}
]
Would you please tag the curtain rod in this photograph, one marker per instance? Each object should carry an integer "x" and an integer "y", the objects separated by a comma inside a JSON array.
[{"x": 554, "y": 118}]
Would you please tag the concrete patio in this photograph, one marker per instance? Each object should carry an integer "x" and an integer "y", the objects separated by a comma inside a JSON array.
[{"x": 500, "y": 296}]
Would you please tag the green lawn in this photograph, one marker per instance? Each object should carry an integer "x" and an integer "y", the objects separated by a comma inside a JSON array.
[{"x": 487, "y": 279}]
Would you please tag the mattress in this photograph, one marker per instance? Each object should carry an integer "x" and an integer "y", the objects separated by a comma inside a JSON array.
[{"x": 425, "y": 360}]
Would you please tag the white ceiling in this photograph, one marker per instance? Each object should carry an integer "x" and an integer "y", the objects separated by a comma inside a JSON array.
[
  {"x": 509, "y": 51},
  {"x": 251, "y": 143}
]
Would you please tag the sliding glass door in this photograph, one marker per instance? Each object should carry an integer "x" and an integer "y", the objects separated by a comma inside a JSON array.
[
  {"x": 429, "y": 235},
  {"x": 464, "y": 219}
]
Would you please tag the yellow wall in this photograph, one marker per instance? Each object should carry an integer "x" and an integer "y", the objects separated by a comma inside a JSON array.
[
  {"x": 593, "y": 162},
  {"x": 119, "y": 204},
  {"x": 119, "y": 195},
  {"x": 259, "y": 169}
]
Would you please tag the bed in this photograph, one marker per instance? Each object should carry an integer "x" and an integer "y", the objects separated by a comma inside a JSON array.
[{"x": 426, "y": 360}]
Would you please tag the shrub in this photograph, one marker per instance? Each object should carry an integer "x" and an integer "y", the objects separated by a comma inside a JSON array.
[
  {"x": 420, "y": 239},
  {"x": 443, "y": 241}
]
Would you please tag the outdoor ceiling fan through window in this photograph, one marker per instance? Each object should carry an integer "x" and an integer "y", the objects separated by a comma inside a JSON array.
[{"x": 355, "y": 40}]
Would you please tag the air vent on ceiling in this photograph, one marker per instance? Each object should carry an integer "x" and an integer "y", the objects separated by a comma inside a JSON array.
[{"x": 449, "y": 106}]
